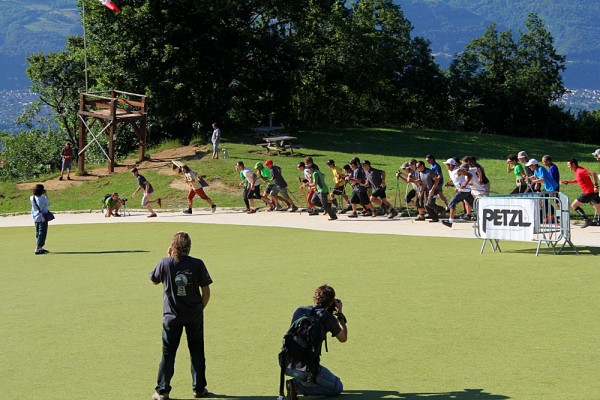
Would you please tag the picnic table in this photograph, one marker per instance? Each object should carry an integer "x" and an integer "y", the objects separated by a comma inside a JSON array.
[{"x": 280, "y": 144}]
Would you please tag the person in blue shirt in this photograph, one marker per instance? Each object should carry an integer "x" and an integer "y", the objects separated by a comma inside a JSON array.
[
  {"x": 553, "y": 169},
  {"x": 546, "y": 183}
]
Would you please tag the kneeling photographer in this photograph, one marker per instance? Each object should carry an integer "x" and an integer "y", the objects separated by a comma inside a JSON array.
[
  {"x": 112, "y": 204},
  {"x": 300, "y": 355}
]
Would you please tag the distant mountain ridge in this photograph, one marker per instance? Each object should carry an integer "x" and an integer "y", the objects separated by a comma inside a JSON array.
[
  {"x": 451, "y": 24},
  {"x": 31, "y": 26}
]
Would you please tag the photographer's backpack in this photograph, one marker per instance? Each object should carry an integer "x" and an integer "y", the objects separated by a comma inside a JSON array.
[
  {"x": 302, "y": 343},
  {"x": 106, "y": 196}
]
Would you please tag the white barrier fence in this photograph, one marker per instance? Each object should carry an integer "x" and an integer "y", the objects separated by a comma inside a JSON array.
[{"x": 538, "y": 217}]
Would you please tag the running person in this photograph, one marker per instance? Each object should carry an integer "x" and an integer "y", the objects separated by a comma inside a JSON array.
[{"x": 588, "y": 181}]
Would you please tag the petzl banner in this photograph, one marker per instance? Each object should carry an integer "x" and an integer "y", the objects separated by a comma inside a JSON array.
[{"x": 506, "y": 218}]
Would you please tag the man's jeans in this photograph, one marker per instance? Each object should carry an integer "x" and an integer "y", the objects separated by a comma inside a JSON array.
[
  {"x": 171, "y": 336},
  {"x": 327, "y": 384}
]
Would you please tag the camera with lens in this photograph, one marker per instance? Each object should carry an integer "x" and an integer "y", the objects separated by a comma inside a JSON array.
[
  {"x": 333, "y": 307},
  {"x": 123, "y": 201}
]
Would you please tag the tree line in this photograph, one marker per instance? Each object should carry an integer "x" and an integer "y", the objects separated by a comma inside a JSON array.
[{"x": 310, "y": 63}]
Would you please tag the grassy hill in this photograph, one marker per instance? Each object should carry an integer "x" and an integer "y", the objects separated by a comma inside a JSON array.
[{"x": 385, "y": 148}]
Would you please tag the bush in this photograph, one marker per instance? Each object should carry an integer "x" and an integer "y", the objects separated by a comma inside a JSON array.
[{"x": 28, "y": 154}]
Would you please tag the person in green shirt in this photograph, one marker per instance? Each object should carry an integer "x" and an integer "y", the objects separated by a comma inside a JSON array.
[
  {"x": 112, "y": 205},
  {"x": 321, "y": 193},
  {"x": 513, "y": 165},
  {"x": 264, "y": 173}
]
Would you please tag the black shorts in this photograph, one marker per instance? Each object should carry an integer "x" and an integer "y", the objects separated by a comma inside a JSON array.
[
  {"x": 338, "y": 191},
  {"x": 592, "y": 198},
  {"x": 378, "y": 193},
  {"x": 411, "y": 195},
  {"x": 252, "y": 194},
  {"x": 359, "y": 197},
  {"x": 269, "y": 189}
]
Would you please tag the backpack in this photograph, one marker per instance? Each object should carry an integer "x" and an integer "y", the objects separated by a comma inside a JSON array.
[
  {"x": 302, "y": 343},
  {"x": 106, "y": 196}
]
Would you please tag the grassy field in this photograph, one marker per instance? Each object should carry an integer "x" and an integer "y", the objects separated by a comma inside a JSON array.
[
  {"x": 429, "y": 318},
  {"x": 385, "y": 148}
]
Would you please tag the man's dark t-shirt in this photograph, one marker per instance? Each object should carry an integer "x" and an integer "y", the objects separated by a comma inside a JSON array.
[
  {"x": 329, "y": 323},
  {"x": 375, "y": 177},
  {"x": 276, "y": 174},
  {"x": 182, "y": 300},
  {"x": 142, "y": 182}
]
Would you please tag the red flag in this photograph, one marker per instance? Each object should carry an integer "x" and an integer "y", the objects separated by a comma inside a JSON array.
[{"x": 110, "y": 5}]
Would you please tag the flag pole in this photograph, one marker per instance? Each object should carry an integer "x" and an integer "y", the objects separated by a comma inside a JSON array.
[{"x": 85, "y": 49}]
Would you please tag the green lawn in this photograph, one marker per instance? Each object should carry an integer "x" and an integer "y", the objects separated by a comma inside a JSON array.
[{"x": 429, "y": 318}]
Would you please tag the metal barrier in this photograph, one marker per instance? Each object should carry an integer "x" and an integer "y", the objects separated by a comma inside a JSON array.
[{"x": 540, "y": 217}]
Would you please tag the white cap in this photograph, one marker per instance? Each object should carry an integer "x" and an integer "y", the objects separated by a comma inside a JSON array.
[
  {"x": 596, "y": 153},
  {"x": 522, "y": 154},
  {"x": 450, "y": 161},
  {"x": 531, "y": 162}
]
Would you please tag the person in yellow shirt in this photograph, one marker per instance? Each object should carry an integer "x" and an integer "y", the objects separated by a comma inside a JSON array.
[{"x": 339, "y": 186}]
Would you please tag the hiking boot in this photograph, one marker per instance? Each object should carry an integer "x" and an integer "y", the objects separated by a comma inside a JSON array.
[
  {"x": 344, "y": 211},
  {"x": 252, "y": 211},
  {"x": 353, "y": 215},
  {"x": 164, "y": 396},
  {"x": 294, "y": 208},
  {"x": 420, "y": 217},
  {"x": 368, "y": 214},
  {"x": 314, "y": 212},
  {"x": 188, "y": 211},
  {"x": 393, "y": 213},
  {"x": 152, "y": 215},
  {"x": 290, "y": 387},
  {"x": 586, "y": 223},
  {"x": 68, "y": 178},
  {"x": 447, "y": 223},
  {"x": 60, "y": 179},
  {"x": 332, "y": 218},
  {"x": 117, "y": 214},
  {"x": 198, "y": 394},
  {"x": 434, "y": 220},
  {"x": 213, "y": 208},
  {"x": 159, "y": 202}
]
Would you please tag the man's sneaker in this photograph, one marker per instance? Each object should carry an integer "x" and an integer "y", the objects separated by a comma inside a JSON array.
[
  {"x": 314, "y": 212},
  {"x": 586, "y": 223},
  {"x": 198, "y": 394},
  {"x": 294, "y": 208},
  {"x": 68, "y": 178},
  {"x": 353, "y": 215},
  {"x": 434, "y": 220},
  {"x": 188, "y": 211},
  {"x": 60, "y": 179},
  {"x": 152, "y": 215},
  {"x": 393, "y": 213},
  {"x": 343, "y": 211},
  {"x": 290, "y": 388},
  {"x": 213, "y": 208},
  {"x": 420, "y": 217},
  {"x": 164, "y": 396},
  {"x": 159, "y": 202},
  {"x": 447, "y": 223},
  {"x": 332, "y": 218},
  {"x": 368, "y": 213},
  {"x": 252, "y": 211}
]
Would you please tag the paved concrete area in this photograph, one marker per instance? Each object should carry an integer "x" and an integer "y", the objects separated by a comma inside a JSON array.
[{"x": 369, "y": 225}]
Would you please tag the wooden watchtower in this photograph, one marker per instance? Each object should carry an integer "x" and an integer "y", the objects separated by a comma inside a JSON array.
[{"x": 111, "y": 109}]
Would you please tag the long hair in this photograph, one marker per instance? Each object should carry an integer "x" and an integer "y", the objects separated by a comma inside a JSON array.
[
  {"x": 324, "y": 296},
  {"x": 181, "y": 245},
  {"x": 38, "y": 190}
]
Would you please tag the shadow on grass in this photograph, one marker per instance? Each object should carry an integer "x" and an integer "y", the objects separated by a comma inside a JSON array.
[
  {"x": 466, "y": 394},
  {"x": 567, "y": 251},
  {"x": 101, "y": 252}
]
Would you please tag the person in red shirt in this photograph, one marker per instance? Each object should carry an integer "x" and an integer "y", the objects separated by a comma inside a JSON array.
[
  {"x": 588, "y": 181},
  {"x": 66, "y": 154}
]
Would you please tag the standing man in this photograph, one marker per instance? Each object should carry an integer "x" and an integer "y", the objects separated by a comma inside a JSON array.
[
  {"x": 186, "y": 293},
  {"x": 144, "y": 185},
  {"x": 66, "y": 154},
  {"x": 588, "y": 181},
  {"x": 515, "y": 167},
  {"x": 191, "y": 178},
  {"x": 309, "y": 377},
  {"x": 215, "y": 139}
]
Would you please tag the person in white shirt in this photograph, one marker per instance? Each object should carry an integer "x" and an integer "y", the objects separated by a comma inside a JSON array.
[
  {"x": 191, "y": 178},
  {"x": 461, "y": 178},
  {"x": 251, "y": 185}
]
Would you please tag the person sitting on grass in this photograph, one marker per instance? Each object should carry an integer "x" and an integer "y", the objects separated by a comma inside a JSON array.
[{"x": 112, "y": 204}]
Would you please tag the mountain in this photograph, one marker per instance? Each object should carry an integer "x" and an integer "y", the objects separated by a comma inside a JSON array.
[
  {"x": 450, "y": 24},
  {"x": 32, "y": 26}
]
